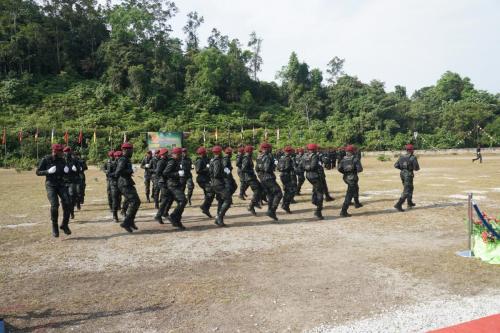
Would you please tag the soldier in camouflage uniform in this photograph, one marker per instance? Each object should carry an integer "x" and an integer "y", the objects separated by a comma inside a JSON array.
[
  {"x": 155, "y": 178},
  {"x": 299, "y": 169},
  {"x": 148, "y": 172},
  {"x": 54, "y": 168},
  {"x": 116, "y": 195},
  {"x": 243, "y": 185},
  {"x": 226, "y": 160},
  {"x": 82, "y": 184},
  {"x": 349, "y": 167},
  {"x": 166, "y": 196},
  {"x": 71, "y": 179},
  {"x": 407, "y": 163},
  {"x": 107, "y": 172},
  {"x": 313, "y": 168},
  {"x": 201, "y": 165},
  {"x": 265, "y": 167},
  {"x": 250, "y": 179},
  {"x": 123, "y": 174},
  {"x": 220, "y": 184},
  {"x": 288, "y": 178},
  {"x": 173, "y": 174}
]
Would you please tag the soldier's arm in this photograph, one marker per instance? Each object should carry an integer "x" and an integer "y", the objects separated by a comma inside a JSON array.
[
  {"x": 143, "y": 163},
  {"x": 416, "y": 166},
  {"x": 170, "y": 170},
  {"x": 217, "y": 168},
  {"x": 120, "y": 168},
  {"x": 42, "y": 168},
  {"x": 197, "y": 165},
  {"x": 359, "y": 167},
  {"x": 314, "y": 163},
  {"x": 341, "y": 167},
  {"x": 396, "y": 165}
]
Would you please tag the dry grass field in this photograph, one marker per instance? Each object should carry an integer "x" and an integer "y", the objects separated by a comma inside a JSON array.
[{"x": 255, "y": 275}]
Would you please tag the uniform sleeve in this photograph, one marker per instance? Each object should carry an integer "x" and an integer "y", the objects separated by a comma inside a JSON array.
[
  {"x": 217, "y": 167},
  {"x": 416, "y": 166},
  {"x": 120, "y": 168},
  {"x": 314, "y": 163},
  {"x": 197, "y": 165},
  {"x": 170, "y": 170},
  {"x": 42, "y": 168},
  {"x": 359, "y": 167},
  {"x": 143, "y": 163},
  {"x": 397, "y": 165},
  {"x": 267, "y": 163},
  {"x": 341, "y": 167}
]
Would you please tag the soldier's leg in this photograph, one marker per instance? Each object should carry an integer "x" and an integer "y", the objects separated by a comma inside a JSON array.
[
  {"x": 66, "y": 206},
  {"x": 54, "y": 208},
  {"x": 300, "y": 181},
  {"x": 409, "y": 190},
  {"x": 71, "y": 192},
  {"x": 116, "y": 201},
  {"x": 319, "y": 197},
  {"x": 110, "y": 196},
  {"x": 84, "y": 187},
  {"x": 156, "y": 192},
  {"x": 190, "y": 188},
  {"x": 277, "y": 195},
  {"x": 399, "y": 204},
  {"x": 225, "y": 197},
  {"x": 347, "y": 200},
  {"x": 326, "y": 191},
  {"x": 79, "y": 194},
  {"x": 357, "y": 204},
  {"x": 255, "y": 186},
  {"x": 147, "y": 189},
  {"x": 170, "y": 200},
  {"x": 166, "y": 196},
  {"x": 134, "y": 202},
  {"x": 181, "y": 201}
]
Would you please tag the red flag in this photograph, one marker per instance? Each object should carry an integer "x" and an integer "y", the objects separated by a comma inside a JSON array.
[
  {"x": 80, "y": 137},
  {"x": 66, "y": 137},
  {"x": 4, "y": 137},
  {"x": 20, "y": 135}
]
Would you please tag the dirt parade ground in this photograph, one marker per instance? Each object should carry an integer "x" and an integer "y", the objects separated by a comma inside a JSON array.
[{"x": 378, "y": 271}]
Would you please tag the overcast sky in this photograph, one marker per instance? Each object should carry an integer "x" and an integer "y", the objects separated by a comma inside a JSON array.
[{"x": 407, "y": 42}]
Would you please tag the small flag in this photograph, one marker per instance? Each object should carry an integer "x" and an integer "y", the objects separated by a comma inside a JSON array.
[
  {"x": 66, "y": 137},
  {"x": 216, "y": 135},
  {"x": 36, "y": 135},
  {"x": 80, "y": 137},
  {"x": 20, "y": 135},
  {"x": 278, "y": 135},
  {"x": 95, "y": 136},
  {"x": 4, "y": 137},
  {"x": 52, "y": 135}
]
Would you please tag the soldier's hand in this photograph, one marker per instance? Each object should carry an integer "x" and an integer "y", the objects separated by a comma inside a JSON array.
[
  {"x": 181, "y": 173},
  {"x": 52, "y": 170},
  {"x": 147, "y": 166},
  {"x": 66, "y": 169},
  {"x": 208, "y": 166},
  {"x": 275, "y": 162},
  {"x": 73, "y": 168},
  {"x": 227, "y": 171}
]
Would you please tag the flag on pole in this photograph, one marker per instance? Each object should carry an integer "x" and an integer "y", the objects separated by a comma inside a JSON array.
[
  {"x": 52, "y": 135},
  {"x": 216, "y": 135},
  {"x": 80, "y": 137},
  {"x": 20, "y": 135},
  {"x": 95, "y": 136},
  {"x": 4, "y": 137},
  {"x": 66, "y": 137},
  {"x": 278, "y": 135},
  {"x": 36, "y": 135}
]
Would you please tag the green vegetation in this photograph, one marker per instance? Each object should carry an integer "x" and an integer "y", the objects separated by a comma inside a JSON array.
[{"x": 74, "y": 64}]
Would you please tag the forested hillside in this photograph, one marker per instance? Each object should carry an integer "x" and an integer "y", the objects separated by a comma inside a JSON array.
[{"x": 74, "y": 64}]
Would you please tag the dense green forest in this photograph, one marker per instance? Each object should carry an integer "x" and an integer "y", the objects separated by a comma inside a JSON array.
[{"x": 74, "y": 64}]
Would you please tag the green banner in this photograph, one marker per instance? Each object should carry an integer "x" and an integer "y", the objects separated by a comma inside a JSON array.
[{"x": 157, "y": 140}]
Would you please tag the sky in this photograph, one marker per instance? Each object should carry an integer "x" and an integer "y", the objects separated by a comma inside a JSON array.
[{"x": 399, "y": 42}]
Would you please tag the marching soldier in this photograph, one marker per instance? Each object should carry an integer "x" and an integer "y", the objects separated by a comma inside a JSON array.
[
  {"x": 313, "y": 168},
  {"x": 187, "y": 180},
  {"x": 71, "y": 179},
  {"x": 350, "y": 166},
  {"x": 288, "y": 178},
  {"x": 155, "y": 179},
  {"x": 54, "y": 167},
  {"x": 146, "y": 164},
  {"x": 239, "y": 159},
  {"x": 250, "y": 179},
  {"x": 173, "y": 174},
  {"x": 201, "y": 165},
  {"x": 82, "y": 184},
  {"x": 226, "y": 160},
  {"x": 299, "y": 169},
  {"x": 325, "y": 163},
  {"x": 116, "y": 195},
  {"x": 166, "y": 196},
  {"x": 126, "y": 185},
  {"x": 220, "y": 184},
  {"x": 264, "y": 167},
  {"x": 107, "y": 172},
  {"x": 407, "y": 163}
]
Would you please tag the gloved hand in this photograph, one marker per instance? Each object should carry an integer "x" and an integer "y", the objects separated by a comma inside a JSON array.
[
  {"x": 275, "y": 162},
  {"x": 147, "y": 166},
  {"x": 52, "y": 170},
  {"x": 181, "y": 173},
  {"x": 208, "y": 166},
  {"x": 73, "y": 168},
  {"x": 227, "y": 171},
  {"x": 320, "y": 163},
  {"x": 66, "y": 169}
]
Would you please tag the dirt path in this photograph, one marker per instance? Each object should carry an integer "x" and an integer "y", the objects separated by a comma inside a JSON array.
[{"x": 255, "y": 276}]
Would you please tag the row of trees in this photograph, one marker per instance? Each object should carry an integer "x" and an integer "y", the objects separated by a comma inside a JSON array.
[{"x": 75, "y": 63}]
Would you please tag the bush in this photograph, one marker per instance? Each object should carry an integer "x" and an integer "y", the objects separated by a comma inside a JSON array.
[{"x": 383, "y": 158}]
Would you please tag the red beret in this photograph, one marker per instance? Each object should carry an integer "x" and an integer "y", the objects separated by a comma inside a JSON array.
[
  {"x": 163, "y": 151},
  {"x": 177, "y": 150},
  {"x": 248, "y": 149},
  {"x": 110, "y": 153},
  {"x": 350, "y": 148},
  {"x": 265, "y": 145},
  {"x": 312, "y": 146},
  {"x": 228, "y": 150},
  {"x": 217, "y": 149},
  {"x": 127, "y": 145},
  {"x": 201, "y": 151},
  {"x": 184, "y": 150},
  {"x": 241, "y": 150},
  {"x": 409, "y": 147},
  {"x": 57, "y": 147},
  {"x": 288, "y": 149},
  {"x": 67, "y": 149},
  {"x": 117, "y": 153}
]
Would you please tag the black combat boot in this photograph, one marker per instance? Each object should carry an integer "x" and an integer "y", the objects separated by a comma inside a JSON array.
[
  {"x": 133, "y": 226},
  {"x": 344, "y": 213},
  {"x": 126, "y": 227},
  {"x": 115, "y": 216},
  {"x": 286, "y": 209},
  {"x": 78, "y": 207},
  {"x": 328, "y": 197},
  {"x": 272, "y": 214},
  {"x": 251, "y": 209},
  {"x": 357, "y": 204},
  {"x": 219, "y": 221},
  {"x": 55, "y": 229},
  {"x": 159, "y": 219},
  {"x": 65, "y": 228},
  {"x": 147, "y": 198},
  {"x": 318, "y": 214},
  {"x": 206, "y": 212},
  {"x": 410, "y": 202},
  {"x": 399, "y": 205}
]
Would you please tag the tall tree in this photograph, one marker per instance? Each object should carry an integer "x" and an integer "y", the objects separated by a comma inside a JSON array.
[
  {"x": 191, "y": 30},
  {"x": 335, "y": 69},
  {"x": 255, "y": 44}
]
